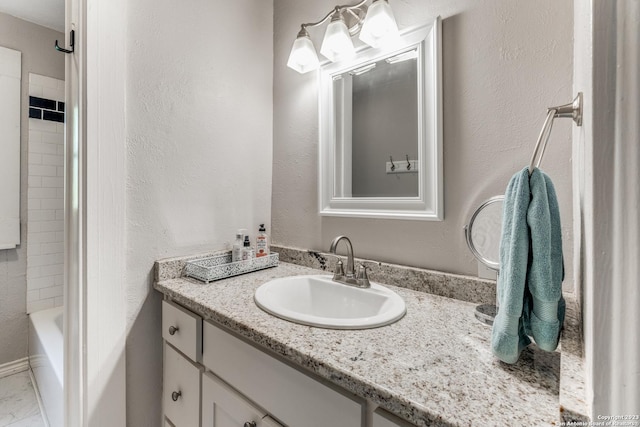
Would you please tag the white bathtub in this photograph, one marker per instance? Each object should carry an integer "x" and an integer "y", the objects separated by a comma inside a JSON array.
[{"x": 46, "y": 360}]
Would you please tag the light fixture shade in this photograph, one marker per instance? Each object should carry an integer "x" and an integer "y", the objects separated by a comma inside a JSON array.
[
  {"x": 303, "y": 57},
  {"x": 337, "y": 44},
  {"x": 380, "y": 28}
]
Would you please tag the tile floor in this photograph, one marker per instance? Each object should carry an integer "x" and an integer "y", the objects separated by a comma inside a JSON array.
[{"x": 18, "y": 404}]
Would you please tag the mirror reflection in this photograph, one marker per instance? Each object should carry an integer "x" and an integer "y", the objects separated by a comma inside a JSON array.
[{"x": 377, "y": 123}]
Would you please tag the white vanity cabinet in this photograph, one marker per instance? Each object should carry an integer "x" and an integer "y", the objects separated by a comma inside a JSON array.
[{"x": 213, "y": 378}]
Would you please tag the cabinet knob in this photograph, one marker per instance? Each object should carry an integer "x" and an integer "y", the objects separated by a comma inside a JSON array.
[
  {"x": 176, "y": 395},
  {"x": 173, "y": 330},
  {"x": 250, "y": 424}
]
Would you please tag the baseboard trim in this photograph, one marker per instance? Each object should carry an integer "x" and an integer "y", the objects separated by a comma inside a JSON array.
[
  {"x": 43, "y": 413},
  {"x": 14, "y": 367}
]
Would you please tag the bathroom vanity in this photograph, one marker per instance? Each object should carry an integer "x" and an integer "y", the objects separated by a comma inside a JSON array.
[{"x": 432, "y": 367}]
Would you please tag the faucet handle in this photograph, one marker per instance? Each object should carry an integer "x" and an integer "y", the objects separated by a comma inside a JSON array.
[
  {"x": 362, "y": 278},
  {"x": 339, "y": 273}
]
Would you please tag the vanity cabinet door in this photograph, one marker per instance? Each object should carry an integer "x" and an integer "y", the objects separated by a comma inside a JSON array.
[
  {"x": 181, "y": 393},
  {"x": 382, "y": 418},
  {"x": 290, "y": 395},
  {"x": 222, "y": 406}
]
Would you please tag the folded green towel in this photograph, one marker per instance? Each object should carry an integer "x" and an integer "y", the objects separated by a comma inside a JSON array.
[
  {"x": 546, "y": 271},
  {"x": 531, "y": 269}
]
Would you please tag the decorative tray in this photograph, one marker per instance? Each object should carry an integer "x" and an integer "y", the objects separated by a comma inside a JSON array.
[{"x": 220, "y": 266}]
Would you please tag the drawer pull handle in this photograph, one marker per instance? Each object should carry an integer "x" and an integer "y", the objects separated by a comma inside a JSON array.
[
  {"x": 176, "y": 395},
  {"x": 173, "y": 330},
  {"x": 250, "y": 424}
]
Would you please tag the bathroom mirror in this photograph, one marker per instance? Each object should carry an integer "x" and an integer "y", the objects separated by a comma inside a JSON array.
[{"x": 381, "y": 131}]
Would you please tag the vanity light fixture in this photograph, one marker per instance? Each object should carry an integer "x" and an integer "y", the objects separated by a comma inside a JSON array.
[{"x": 375, "y": 24}]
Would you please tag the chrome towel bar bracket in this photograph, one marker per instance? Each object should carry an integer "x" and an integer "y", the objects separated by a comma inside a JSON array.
[{"x": 572, "y": 110}]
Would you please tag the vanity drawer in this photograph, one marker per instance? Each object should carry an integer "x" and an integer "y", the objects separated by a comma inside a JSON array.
[
  {"x": 289, "y": 395},
  {"x": 181, "y": 393},
  {"x": 182, "y": 329}
]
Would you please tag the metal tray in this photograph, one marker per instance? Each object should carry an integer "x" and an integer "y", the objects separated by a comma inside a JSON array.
[{"x": 220, "y": 266}]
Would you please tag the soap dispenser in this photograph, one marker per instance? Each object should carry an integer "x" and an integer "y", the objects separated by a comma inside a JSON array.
[{"x": 262, "y": 242}]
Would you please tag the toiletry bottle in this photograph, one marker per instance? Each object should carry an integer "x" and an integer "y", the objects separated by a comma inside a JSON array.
[
  {"x": 262, "y": 242},
  {"x": 247, "y": 251},
  {"x": 236, "y": 253}
]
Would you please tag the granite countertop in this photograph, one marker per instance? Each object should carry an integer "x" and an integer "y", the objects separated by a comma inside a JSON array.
[{"x": 433, "y": 367}]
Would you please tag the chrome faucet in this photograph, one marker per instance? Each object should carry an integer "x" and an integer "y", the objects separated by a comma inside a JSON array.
[{"x": 360, "y": 279}]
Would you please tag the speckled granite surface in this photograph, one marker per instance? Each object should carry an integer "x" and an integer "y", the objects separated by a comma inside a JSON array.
[
  {"x": 463, "y": 288},
  {"x": 434, "y": 367},
  {"x": 573, "y": 407}
]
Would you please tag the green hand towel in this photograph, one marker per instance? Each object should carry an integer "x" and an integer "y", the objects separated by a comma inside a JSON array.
[
  {"x": 546, "y": 270},
  {"x": 508, "y": 336},
  {"x": 531, "y": 268}
]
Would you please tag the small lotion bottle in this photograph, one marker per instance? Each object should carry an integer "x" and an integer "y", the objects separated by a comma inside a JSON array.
[
  {"x": 262, "y": 242},
  {"x": 247, "y": 251},
  {"x": 238, "y": 245}
]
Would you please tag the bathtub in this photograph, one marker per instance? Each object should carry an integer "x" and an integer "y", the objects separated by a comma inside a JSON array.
[{"x": 46, "y": 360}]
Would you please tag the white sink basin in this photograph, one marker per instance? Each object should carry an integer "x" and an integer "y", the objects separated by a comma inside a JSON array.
[{"x": 319, "y": 301}]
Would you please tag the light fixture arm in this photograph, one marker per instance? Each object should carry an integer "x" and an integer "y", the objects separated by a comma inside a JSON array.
[{"x": 336, "y": 9}]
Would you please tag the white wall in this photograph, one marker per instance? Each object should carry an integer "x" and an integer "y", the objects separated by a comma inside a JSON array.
[
  {"x": 45, "y": 194},
  {"x": 608, "y": 170},
  {"x": 38, "y": 56},
  {"x": 199, "y": 153},
  {"x": 504, "y": 63}
]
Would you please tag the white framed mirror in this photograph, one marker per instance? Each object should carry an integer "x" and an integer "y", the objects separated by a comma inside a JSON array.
[{"x": 381, "y": 130}]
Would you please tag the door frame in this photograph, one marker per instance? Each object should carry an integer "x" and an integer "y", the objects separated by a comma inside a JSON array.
[{"x": 95, "y": 194}]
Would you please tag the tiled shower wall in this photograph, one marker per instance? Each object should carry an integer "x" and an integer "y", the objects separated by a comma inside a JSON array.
[{"x": 45, "y": 192}]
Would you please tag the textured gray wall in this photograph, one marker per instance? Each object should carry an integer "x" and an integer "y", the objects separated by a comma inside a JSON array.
[
  {"x": 504, "y": 63},
  {"x": 38, "y": 56},
  {"x": 199, "y": 129}
]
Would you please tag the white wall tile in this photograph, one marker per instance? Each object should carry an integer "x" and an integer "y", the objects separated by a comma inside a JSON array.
[
  {"x": 42, "y": 125},
  {"x": 42, "y": 304},
  {"x": 53, "y": 93},
  {"x": 45, "y": 192},
  {"x": 35, "y": 90},
  {"x": 35, "y": 181},
  {"x": 52, "y": 159},
  {"x": 35, "y": 158}
]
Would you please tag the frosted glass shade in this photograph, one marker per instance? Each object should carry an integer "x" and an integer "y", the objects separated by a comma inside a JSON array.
[
  {"x": 303, "y": 57},
  {"x": 337, "y": 44},
  {"x": 380, "y": 28}
]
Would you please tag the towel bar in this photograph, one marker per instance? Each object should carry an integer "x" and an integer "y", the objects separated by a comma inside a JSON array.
[{"x": 572, "y": 110}]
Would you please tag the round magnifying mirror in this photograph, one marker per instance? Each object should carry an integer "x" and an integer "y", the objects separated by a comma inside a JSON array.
[
  {"x": 483, "y": 234},
  {"x": 484, "y": 231}
]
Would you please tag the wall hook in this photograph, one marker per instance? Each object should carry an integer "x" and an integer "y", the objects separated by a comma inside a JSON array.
[
  {"x": 393, "y": 167},
  {"x": 72, "y": 37},
  {"x": 408, "y": 163}
]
